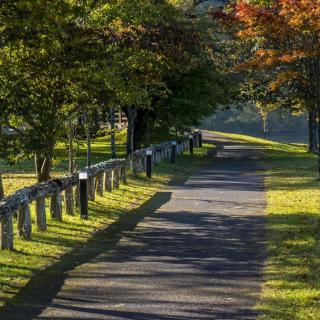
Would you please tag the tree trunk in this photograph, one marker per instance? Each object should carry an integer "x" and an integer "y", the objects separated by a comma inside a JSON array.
[
  {"x": 1, "y": 188},
  {"x": 318, "y": 109},
  {"x": 69, "y": 200},
  {"x": 113, "y": 136},
  {"x": 91, "y": 180},
  {"x": 265, "y": 119},
  {"x": 312, "y": 130},
  {"x": 89, "y": 153},
  {"x": 43, "y": 168},
  {"x": 130, "y": 113},
  {"x": 140, "y": 128}
]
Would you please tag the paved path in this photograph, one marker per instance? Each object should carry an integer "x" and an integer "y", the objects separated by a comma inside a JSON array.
[{"x": 198, "y": 256}]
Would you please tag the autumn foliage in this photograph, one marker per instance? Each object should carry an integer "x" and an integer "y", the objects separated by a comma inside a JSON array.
[
  {"x": 278, "y": 44},
  {"x": 289, "y": 30}
]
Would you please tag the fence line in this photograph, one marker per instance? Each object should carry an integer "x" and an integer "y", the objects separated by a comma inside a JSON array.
[{"x": 103, "y": 176}]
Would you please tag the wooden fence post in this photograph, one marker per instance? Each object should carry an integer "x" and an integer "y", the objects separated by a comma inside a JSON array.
[
  {"x": 115, "y": 179},
  {"x": 41, "y": 219},
  {"x": 56, "y": 207},
  {"x": 108, "y": 181},
  {"x": 99, "y": 185},
  {"x": 24, "y": 222},
  {"x": 6, "y": 233},
  {"x": 69, "y": 201},
  {"x": 124, "y": 175},
  {"x": 91, "y": 188},
  {"x": 134, "y": 167},
  {"x": 77, "y": 196}
]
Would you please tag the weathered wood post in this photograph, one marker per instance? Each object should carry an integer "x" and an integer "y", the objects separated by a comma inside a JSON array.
[
  {"x": 195, "y": 139},
  {"x": 56, "y": 206},
  {"x": 154, "y": 159},
  {"x": 92, "y": 188},
  {"x": 100, "y": 184},
  {"x": 124, "y": 175},
  {"x": 116, "y": 178},
  {"x": 24, "y": 225},
  {"x": 191, "y": 143},
  {"x": 108, "y": 181},
  {"x": 149, "y": 163},
  {"x": 77, "y": 196},
  {"x": 41, "y": 218},
  {"x": 6, "y": 233},
  {"x": 69, "y": 201},
  {"x": 83, "y": 187},
  {"x": 173, "y": 151},
  {"x": 134, "y": 164}
]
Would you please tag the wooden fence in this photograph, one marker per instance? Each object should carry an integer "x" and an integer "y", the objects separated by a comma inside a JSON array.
[{"x": 103, "y": 176}]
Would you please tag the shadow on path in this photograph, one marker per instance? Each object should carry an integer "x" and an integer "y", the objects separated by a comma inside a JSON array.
[{"x": 44, "y": 286}]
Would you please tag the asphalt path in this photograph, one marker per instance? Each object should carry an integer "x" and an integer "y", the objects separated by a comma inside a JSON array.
[{"x": 199, "y": 254}]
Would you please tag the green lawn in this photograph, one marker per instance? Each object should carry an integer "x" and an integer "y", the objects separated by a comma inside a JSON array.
[
  {"x": 292, "y": 287},
  {"x": 23, "y": 173},
  {"x": 68, "y": 243}
]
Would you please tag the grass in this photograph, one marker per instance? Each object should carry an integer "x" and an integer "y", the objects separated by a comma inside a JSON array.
[
  {"x": 22, "y": 174},
  {"x": 292, "y": 287},
  {"x": 73, "y": 241}
]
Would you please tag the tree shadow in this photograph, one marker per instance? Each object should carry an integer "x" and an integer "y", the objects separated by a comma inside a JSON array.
[
  {"x": 44, "y": 286},
  {"x": 176, "y": 265}
]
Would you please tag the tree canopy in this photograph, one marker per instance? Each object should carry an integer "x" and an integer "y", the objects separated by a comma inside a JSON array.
[{"x": 61, "y": 59}]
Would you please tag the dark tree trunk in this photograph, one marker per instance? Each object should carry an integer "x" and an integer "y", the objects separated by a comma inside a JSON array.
[
  {"x": 312, "y": 130},
  {"x": 130, "y": 114},
  {"x": 91, "y": 180},
  {"x": 71, "y": 148},
  {"x": 69, "y": 200},
  {"x": 113, "y": 136},
  {"x": 89, "y": 153},
  {"x": 1, "y": 188},
  {"x": 43, "y": 167},
  {"x": 318, "y": 109},
  {"x": 141, "y": 128}
]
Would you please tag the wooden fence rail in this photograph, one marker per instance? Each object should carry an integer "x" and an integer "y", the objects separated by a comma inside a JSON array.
[
  {"x": 160, "y": 153},
  {"x": 103, "y": 176}
]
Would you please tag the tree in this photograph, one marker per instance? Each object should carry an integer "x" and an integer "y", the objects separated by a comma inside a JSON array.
[{"x": 283, "y": 37}]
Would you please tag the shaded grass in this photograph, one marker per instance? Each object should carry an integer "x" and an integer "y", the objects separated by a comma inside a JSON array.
[
  {"x": 292, "y": 271},
  {"x": 22, "y": 174},
  {"x": 70, "y": 242}
]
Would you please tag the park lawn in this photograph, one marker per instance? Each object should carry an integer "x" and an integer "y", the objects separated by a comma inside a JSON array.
[
  {"x": 292, "y": 272},
  {"x": 66, "y": 244},
  {"x": 22, "y": 174}
]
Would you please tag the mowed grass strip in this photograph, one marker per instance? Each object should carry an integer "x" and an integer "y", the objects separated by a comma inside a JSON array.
[
  {"x": 51, "y": 248},
  {"x": 292, "y": 271}
]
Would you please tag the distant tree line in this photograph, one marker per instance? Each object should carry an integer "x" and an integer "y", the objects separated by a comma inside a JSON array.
[{"x": 248, "y": 120}]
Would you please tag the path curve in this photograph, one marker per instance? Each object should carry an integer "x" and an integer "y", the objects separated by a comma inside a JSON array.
[{"x": 198, "y": 256}]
